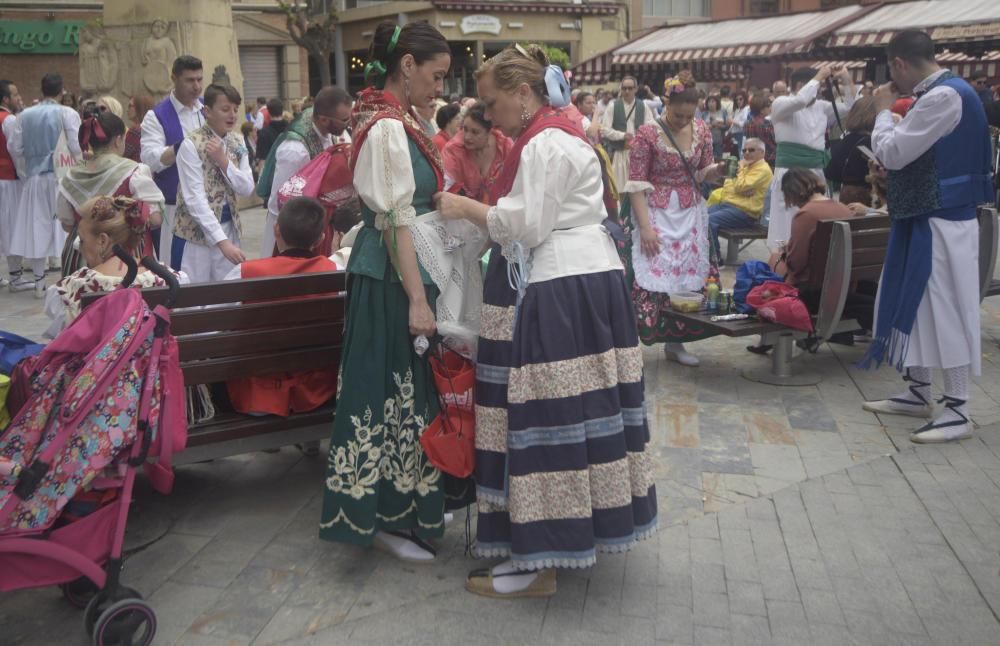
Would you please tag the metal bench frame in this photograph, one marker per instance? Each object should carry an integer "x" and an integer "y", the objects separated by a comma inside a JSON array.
[
  {"x": 735, "y": 244},
  {"x": 833, "y": 297}
]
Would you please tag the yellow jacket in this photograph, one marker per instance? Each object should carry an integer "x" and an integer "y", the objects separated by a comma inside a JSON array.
[{"x": 746, "y": 191}]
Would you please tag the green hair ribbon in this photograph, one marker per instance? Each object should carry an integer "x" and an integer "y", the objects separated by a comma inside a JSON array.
[{"x": 377, "y": 67}]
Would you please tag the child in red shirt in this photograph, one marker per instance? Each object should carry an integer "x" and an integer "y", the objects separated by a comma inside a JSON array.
[{"x": 299, "y": 227}]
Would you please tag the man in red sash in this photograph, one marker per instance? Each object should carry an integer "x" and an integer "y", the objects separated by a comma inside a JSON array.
[{"x": 10, "y": 184}]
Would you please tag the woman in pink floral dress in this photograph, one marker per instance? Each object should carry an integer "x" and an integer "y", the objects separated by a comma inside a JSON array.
[{"x": 668, "y": 248}]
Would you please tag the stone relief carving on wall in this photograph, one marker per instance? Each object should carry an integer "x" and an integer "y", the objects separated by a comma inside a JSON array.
[
  {"x": 98, "y": 60},
  {"x": 220, "y": 76},
  {"x": 129, "y": 59},
  {"x": 158, "y": 54}
]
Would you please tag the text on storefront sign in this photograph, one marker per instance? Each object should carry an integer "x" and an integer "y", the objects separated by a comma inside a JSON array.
[
  {"x": 481, "y": 24},
  {"x": 39, "y": 37}
]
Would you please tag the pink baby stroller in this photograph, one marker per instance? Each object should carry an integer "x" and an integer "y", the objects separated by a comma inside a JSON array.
[{"x": 106, "y": 395}]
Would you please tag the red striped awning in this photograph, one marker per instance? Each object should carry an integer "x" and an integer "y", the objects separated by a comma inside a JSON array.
[
  {"x": 593, "y": 71},
  {"x": 951, "y": 23},
  {"x": 739, "y": 40},
  {"x": 474, "y": 6}
]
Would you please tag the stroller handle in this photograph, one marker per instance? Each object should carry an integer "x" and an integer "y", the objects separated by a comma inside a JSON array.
[
  {"x": 126, "y": 257},
  {"x": 168, "y": 277}
]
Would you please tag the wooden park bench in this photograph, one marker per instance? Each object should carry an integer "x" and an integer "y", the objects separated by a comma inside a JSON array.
[
  {"x": 843, "y": 252},
  {"x": 737, "y": 240},
  {"x": 231, "y": 330}
]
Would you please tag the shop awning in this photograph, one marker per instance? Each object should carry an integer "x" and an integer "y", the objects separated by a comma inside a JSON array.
[
  {"x": 955, "y": 24},
  {"x": 966, "y": 66},
  {"x": 736, "y": 40},
  {"x": 486, "y": 6},
  {"x": 594, "y": 70}
]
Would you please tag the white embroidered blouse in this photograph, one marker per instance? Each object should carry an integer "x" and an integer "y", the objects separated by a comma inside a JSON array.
[
  {"x": 383, "y": 175},
  {"x": 62, "y": 300},
  {"x": 555, "y": 209}
]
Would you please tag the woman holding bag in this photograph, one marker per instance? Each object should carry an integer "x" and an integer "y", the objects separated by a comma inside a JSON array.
[
  {"x": 669, "y": 250},
  {"x": 562, "y": 471},
  {"x": 380, "y": 489}
]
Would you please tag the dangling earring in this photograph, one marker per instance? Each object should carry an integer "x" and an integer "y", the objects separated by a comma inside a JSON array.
[
  {"x": 525, "y": 117},
  {"x": 406, "y": 87}
]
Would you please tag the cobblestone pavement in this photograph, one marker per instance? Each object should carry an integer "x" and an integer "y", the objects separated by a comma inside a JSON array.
[{"x": 788, "y": 515}]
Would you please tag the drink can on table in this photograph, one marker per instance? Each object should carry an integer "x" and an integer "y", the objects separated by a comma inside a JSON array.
[{"x": 725, "y": 302}]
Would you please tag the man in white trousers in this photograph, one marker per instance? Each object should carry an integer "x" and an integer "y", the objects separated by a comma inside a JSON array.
[
  {"x": 37, "y": 234},
  {"x": 800, "y": 123},
  {"x": 11, "y": 170},
  {"x": 163, "y": 129},
  {"x": 938, "y": 162}
]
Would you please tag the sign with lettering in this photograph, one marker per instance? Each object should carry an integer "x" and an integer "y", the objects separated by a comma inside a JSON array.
[
  {"x": 39, "y": 36},
  {"x": 962, "y": 32},
  {"x": 481, "y": 24}
]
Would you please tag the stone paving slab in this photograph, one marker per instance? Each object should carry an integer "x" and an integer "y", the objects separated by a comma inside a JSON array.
[{"x": 787, "y": 517}]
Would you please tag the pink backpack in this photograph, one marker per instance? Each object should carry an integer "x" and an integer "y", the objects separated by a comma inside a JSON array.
[{"x": 90, "y": 390}]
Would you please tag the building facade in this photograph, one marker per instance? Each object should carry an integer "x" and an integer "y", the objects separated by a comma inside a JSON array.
[
  {"x": 41, "y": 36},
  {"x": 478, "y": 29}
]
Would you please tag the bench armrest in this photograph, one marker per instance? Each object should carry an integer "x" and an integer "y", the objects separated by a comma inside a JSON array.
[
  {"x": 836, "y": 281},
  {"x": 987, "y": 248}
]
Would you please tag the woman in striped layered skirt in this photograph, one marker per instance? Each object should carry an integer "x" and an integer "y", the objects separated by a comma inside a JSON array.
[{"x": 562, "y": 469}]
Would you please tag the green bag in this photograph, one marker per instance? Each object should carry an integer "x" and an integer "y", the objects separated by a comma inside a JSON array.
[{"x": 295, "y": 129}]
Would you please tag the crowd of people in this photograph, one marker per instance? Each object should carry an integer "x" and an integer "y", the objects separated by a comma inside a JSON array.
[{"x": 548, "y": 175}]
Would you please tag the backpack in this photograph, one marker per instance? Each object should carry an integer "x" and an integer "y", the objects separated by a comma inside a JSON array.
[
  {"x": 13, "y": 349},
  {"x": 749, "y": 275}
]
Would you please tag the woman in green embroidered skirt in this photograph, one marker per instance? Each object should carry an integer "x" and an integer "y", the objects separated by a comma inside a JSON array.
[{"x": 379, "y": 488}]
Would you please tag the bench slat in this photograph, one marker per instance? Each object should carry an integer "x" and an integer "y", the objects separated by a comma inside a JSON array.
[
  {"x": 221, "y": 369},
  {"x": 246, "y": 289},
  {"x": 233, "y": 426},
  {"x": 870, "y": 272},
  {"x": 871, "y": 238},
  {"x": 252, "y": 342},
  {"x": 868, "y": 257},
  {"x": 746, "y": 327},
  {"x": 250, "y": 316},
  {"x": 755, "y": 233}
]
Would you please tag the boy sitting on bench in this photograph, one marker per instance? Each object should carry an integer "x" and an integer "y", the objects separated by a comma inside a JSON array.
[{"x": 299, "y": 227}]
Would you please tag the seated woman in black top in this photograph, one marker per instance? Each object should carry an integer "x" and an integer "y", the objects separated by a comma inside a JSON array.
[{"x": 847, "y": 164}]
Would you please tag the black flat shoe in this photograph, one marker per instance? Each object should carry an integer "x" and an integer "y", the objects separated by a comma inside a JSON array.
[{"x": 759, "y": 349}]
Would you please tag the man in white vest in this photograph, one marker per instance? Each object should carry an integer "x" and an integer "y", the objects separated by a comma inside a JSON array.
[{"x": 36, "y": 233}]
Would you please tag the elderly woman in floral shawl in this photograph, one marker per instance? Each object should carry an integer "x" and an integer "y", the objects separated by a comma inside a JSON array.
[{"x": 106, "y": 172}]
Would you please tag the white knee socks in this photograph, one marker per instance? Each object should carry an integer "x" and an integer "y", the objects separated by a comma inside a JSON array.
[
  {"x": 38, "y": 267},
  {"x": 956, "y": 397},
  {"x": 920, "y": 385}
]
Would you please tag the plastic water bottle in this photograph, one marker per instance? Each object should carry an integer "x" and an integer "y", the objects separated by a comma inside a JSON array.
[{"x": 712, "y": 295}]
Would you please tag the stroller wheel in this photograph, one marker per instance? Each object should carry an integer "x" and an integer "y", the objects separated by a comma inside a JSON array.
[
  {"x": 129, "y": 622},
  {"x": 103, "y": 601},
  {"x": 79, "y": 592}
]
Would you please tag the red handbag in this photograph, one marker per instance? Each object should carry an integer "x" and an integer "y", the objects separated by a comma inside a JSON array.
[
  {"x": 450, "y": 440},
  {"x": 780, "y": 303}
]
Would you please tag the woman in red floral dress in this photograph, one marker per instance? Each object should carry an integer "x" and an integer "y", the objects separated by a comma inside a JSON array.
[{"x": 668, "y": 251}]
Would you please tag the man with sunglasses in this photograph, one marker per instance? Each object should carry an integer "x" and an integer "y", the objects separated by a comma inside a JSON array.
[
  {"x": 302, "y": 140},
  {"x": 740, "y": 201},
  {"x": 982, "y": 87},
  {"x": 619, "y": 124}
]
